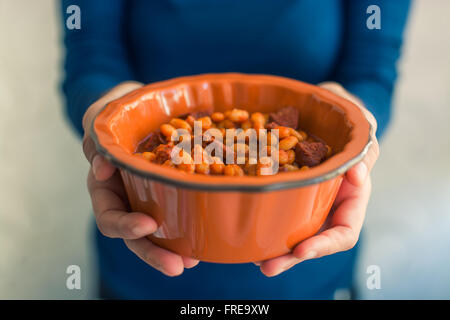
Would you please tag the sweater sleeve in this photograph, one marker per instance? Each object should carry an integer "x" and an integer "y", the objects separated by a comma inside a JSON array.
[
  {"x": 96, "y": 55},
  {"x": 367, "y": 66}
]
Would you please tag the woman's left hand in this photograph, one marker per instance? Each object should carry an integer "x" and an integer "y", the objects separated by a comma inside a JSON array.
[{"x": 347, "y": 214}]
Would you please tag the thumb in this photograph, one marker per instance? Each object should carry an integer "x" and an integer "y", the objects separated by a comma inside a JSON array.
[
  {"x": 101, "y": 168},
  {"x": 358, "y": 173},
  {"x": 115, "y": 93}
]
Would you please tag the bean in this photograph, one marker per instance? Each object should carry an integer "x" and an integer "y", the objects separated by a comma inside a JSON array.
[
  {"x": 217, "y": 116},
  {"x": 283, "y": 157},
  {"x": 181, "y": 124},
  {"x": 258, "y": 120},
  {"x": 169, "y": 163},
  {"x": 202, "y": 168},
  {"x": 329, "y": 151},
  {"x": 288, "y": 143},
  {"x": 206, "y": 122},
  {"x": 289, "y": 168},
  {"x": 304, "y": 135},
  {"x": 190, "y": 119},
  {"x": 238, "y": 115},
  {"x": 247, "y": 124},
  {"x": 187, "y": 167},
  {"x": 228, "y": 124},
  {"x": 238, "y": 171},
  {"x": 150, "y": 156},
  {"x": 217, "y": 167},
  {"x": 291, "y": 156},
  {"x": 233, "y": 170},
  {"x": 283, "y": 132},
  {"x": 296, "y": 134},
  {"x": 167, "y": 130}
]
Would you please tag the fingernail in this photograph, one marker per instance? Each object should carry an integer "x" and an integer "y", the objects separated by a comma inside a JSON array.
[{"x": 95, "y": 164}]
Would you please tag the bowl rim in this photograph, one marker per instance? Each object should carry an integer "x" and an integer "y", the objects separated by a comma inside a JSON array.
[{"x": 147, "y": 170}]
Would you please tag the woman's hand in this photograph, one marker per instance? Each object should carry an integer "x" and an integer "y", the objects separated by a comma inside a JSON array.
[
  {"x": 109, "y": 200},
  {"x": 344, "y": 224}
]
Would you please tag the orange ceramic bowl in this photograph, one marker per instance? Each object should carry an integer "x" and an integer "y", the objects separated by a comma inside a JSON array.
[{"x": 231, "y": 219}]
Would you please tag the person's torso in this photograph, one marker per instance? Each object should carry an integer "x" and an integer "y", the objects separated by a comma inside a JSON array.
[{"x": 294, "y": 38}]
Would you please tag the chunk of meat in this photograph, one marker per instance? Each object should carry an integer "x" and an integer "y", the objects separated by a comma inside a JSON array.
[
  {"x": 161, "y": 138},
  {"x": 153, "y": 140},
  {"x": 272, "y": 125},
  {"x": 286, "y": 117},
  {"x": 162, "y": 153},
  {"x": 310, "y": 153}
]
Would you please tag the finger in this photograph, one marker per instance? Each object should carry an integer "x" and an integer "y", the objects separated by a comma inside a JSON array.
[
  {"x": 89, "y": 148},
  {"x": 114, "y": 184},
  {"x": 274, "y": 267},
  {"x": 346, "y": 224},
  {"x": 112, "y": 218},
  {"x": 163, "y": 260},
  {"x": 372, "y": 154},
  {"x": 339, "y": 90},
  {"x": 102, "y": 169},
  {"x": 189, "y": 262},
  {"x": 350, "y": 211},
  {"x": 359, "y": 172},
  {"x": 113, "y": 94},
  {"x": 117, "y": 223}
]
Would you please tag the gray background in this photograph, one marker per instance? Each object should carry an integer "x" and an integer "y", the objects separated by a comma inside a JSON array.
[{"x": 45, "y": 220}]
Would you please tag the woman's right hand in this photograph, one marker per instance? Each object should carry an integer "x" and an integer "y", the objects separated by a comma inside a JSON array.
[{"x": 109, "y": 200}]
